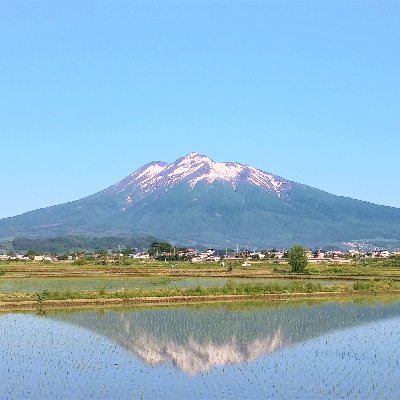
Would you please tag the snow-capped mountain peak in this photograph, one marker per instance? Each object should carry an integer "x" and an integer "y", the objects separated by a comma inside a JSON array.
[{"x": 195, "y": 168}]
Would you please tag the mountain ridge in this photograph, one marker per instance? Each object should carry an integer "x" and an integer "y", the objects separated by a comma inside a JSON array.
[{"x": 185, "y": 169}]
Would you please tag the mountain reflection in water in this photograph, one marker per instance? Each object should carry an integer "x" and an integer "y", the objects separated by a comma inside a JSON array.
[
  {"x": 197, "y": 338},
  {"x": 194, "y": 357}
]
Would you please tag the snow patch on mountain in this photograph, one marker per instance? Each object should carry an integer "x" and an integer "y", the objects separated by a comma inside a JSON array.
[
  {"x": 220, "y": 171},
  {"x": 142, "y": 177},
  {"x": 186, "y": 166},
  {"x": 151, "y": 171},
  {"x": 263, "y": 179},
  {"x": 195, "y": 168}
]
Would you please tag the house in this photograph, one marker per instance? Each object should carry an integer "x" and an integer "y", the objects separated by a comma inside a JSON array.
[
  {"x": 385, "y": 253},
  {"x": 44, "y": 258},
  {"x": 140, "y": 256},
  {"x": 210, "y": 255},
  {"x": 258, "y": 255},
  {"x": 278, "y": 254}
]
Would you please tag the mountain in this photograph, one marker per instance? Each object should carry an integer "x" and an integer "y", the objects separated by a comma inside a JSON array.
[{"x": 196, "y": 201}]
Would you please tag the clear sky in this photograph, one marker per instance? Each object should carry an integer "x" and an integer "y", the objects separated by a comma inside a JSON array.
[{"x": 91, "y": 91}]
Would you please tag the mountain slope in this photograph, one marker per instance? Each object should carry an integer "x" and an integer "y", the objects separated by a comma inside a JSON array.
[{"x": 201, "y": 202}]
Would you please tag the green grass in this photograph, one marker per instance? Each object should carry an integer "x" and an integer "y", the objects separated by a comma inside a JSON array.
[
  {"x": 230, "y": 288},
  {"x": 362, "y": 267},
  {"x": 381, "y": 286}
]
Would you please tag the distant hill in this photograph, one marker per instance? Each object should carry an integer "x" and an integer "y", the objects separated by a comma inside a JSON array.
[
  {"x": 64, "y": 244},
  {"x": 196, "y": 201}
]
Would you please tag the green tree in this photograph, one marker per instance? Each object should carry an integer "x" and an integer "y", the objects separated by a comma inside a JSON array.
[
  {"x": 298, "y": 258},
  {"x": 160, "y": 248},
  {"x": 129, "y": 250},
  {"x": 31, "y": 254},
  {"x": 62, "y": 257}
]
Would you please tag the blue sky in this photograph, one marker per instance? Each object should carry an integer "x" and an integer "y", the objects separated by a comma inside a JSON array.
[{"x": 91, "y": 91}]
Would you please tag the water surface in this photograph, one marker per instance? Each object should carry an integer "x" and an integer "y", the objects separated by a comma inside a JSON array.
[{"x": 259, "y": 350}]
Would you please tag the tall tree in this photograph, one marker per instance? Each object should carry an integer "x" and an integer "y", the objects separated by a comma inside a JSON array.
[{"x": 298, "y": 258}]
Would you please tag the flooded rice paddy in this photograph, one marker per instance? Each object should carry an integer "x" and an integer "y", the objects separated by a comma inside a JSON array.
[
  {"x": 34, "y": 285},
  {"x": 280, "y": 350}
]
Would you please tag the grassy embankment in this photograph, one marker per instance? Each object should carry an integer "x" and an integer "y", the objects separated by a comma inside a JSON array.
[
  {"x": 238, "y": 290},
  {"x": 228, "y": 289}
]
